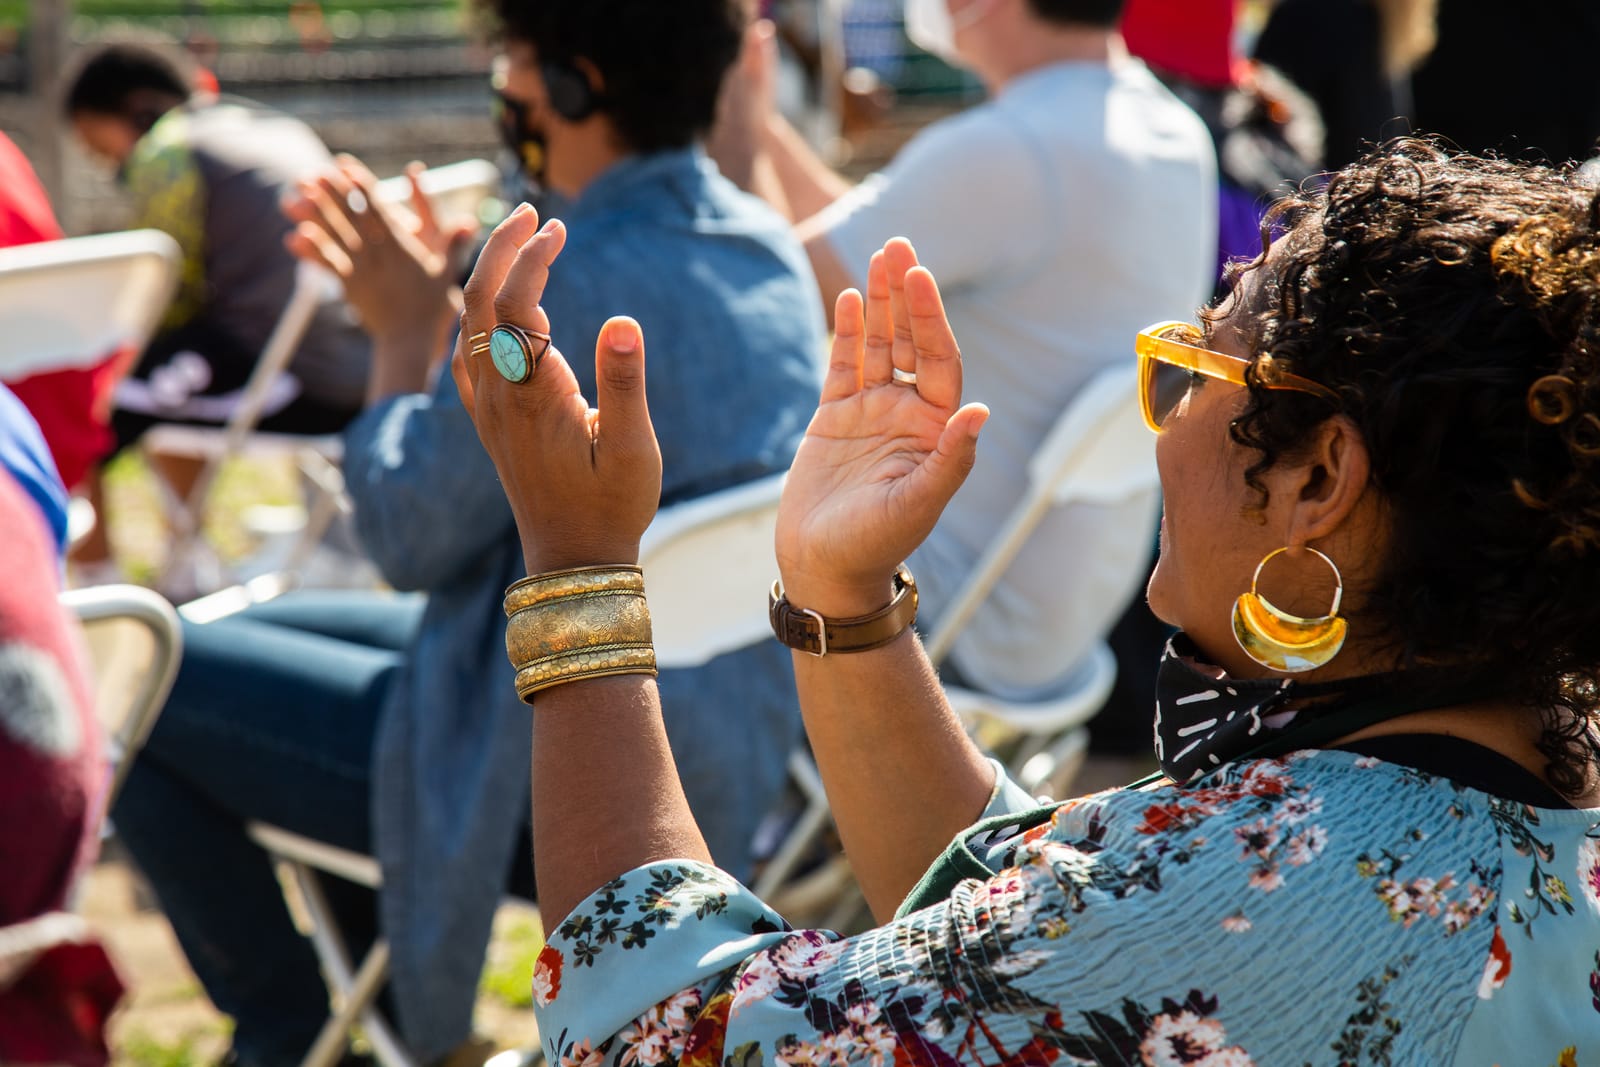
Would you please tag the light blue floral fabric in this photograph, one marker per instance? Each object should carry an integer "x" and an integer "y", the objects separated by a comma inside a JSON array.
[{"x": 1325, "y": 909}]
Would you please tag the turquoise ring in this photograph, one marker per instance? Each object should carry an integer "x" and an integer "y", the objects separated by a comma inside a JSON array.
[{"x": 516, "y": 351}]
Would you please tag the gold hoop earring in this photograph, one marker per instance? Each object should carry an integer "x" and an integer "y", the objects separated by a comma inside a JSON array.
[{"x": 1283, "y": 642}]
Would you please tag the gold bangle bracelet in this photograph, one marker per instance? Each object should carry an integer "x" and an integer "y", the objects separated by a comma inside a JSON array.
[
  {"x": 583, "y": 664},
  {"x": 572, "y": 624},
  {"x": 557, "y": 585},
  {"x": 566, "y": 626}
]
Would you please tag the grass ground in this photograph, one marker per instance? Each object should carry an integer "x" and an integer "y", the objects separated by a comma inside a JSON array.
[{"x": 166, "y": 1019}]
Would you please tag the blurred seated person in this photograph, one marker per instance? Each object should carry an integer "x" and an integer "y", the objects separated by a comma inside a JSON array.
[
  {"x": 388, "y": 724},
  {"x": 72, "y": 407},
  {"x": 1267, "y": 139},
  {"x": 212, "y": 171},
  {"x": 1055, "y": 212},
  {"x": 55, "y": 998},
  {"x": 1266, "y": 132},
  {"x": 1373, "y": 836}
]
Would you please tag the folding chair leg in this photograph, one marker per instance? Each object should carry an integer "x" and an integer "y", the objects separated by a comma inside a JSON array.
[
  {"x": 353, "y": 992},
  {"x": 358, "y": 997}
]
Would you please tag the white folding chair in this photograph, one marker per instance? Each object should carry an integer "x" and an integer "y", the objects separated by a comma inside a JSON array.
[
  {"x": 705, "y": 562},
  {"x": 135, "y": 644},
  {"x": 72, "y": 303},
  {"x": 456, "y": 191},
  {"x": 1097, "y": 453}
]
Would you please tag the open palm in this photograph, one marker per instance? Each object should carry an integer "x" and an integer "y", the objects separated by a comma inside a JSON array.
[{"x": 889, "y": 444}]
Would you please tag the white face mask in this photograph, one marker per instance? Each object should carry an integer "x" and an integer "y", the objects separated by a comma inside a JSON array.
[{"x": 930, "y": 27}]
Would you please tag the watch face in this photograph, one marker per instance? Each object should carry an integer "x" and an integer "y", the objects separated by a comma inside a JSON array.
[{"x": 510, "y": 354}]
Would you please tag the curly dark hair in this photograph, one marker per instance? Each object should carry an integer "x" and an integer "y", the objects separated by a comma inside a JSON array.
[
  {"x": 1453, "y": 304},
  {"x": 663, "y": 63}
]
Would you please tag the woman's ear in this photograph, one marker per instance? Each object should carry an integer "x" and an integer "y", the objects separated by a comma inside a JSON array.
[{"x": 1329, "y": 479}]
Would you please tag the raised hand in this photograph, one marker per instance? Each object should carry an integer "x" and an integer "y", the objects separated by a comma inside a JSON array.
[
  {"x": 398, "y": 267},
  {"x": 582, "y": 482},
  {"x": 888, "y": 447},
  {"x": 747, "y": 101}
]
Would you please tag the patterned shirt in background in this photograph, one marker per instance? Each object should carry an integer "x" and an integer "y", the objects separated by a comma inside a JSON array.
[
  {"x": 213, "y": 174},
  {"x": 1326, "y": 909}
]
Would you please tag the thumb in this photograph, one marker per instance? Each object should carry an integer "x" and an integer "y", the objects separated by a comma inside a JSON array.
[
  {"x": 943, "y": 472},
  {"x": 626, "y": 434}
]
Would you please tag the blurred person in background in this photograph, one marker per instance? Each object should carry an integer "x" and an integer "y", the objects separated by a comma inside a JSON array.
[
  {"x": 1267, "y": 139},
  {"x": 1054, "y": 214},
  {"x": 72, "y": 407},
  {"x": 211, "y": 171},
  {"x": 1514, "y": 78},
  {"x": 388, "y": 724},
  {"x": 1266, "y": 132},
  {"x": 57, "y": 987},
  {"x": 1355, "y": 59}
]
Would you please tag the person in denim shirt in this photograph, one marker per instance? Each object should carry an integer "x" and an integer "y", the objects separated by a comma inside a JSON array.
[{"x": 388, "y": 724}]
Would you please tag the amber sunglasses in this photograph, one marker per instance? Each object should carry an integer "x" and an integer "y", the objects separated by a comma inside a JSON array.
[{"x": 1169, "y": 362}]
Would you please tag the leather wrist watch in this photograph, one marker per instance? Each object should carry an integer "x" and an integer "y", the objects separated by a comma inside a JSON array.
[{"x": 809, "y": 631}]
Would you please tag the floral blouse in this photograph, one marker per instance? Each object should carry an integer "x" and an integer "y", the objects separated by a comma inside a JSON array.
[{"x": 1324, "y": 909}]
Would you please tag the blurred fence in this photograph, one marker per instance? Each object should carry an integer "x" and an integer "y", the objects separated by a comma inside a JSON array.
[
  {"x": 396, "y": 80},
  {"x": 388, "y": 80}
]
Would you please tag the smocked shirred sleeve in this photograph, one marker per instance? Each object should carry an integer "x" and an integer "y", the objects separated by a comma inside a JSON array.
[{"x": 1254, "y": 922}]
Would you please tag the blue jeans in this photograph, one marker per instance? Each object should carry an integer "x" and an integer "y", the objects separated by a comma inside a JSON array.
[{"x": 272, "y": 719}]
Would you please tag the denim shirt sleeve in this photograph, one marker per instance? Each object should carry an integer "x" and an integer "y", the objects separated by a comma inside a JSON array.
[{"x": 427, "y": 499}]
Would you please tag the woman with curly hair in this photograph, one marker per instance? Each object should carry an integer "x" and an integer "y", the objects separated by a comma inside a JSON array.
[{"x": 1376, "y": 835}]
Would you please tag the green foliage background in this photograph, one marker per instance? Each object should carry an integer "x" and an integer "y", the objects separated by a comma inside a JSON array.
[{"x": 15, "y": 13}]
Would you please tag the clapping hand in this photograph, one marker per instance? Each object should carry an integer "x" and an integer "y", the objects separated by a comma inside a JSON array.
[
  {"x": 747, "y": 102},
  {"x": 399, "y": 268},
  {"x": 888, "y": 447},
  {"x": 583, "y": 482}
]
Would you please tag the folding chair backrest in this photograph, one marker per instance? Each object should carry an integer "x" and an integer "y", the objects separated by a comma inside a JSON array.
[
  {"x": 134, "y": 644},
  {"x": 1098, "y": 452},
  {"x": 456, "y": 191},
  {"x": 706, "y": 562},
  {"x": 72, "y": 303}
]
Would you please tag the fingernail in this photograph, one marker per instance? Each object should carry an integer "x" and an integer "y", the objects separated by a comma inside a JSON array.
[
  {"x": 522, "y": 209},
  {"x": 552, "y": 226},
  {"x": 623, "y": 337}
]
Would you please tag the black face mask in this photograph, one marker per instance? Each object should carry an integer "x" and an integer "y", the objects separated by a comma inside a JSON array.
[
  {"x": 514, "y": 120},
  {"x": 1204, "y": 718}
]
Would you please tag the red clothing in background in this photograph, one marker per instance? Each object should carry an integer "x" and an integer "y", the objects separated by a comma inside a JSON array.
[
  {"x": 72, "y": 407},
  {"x": 52, "y": 782}
]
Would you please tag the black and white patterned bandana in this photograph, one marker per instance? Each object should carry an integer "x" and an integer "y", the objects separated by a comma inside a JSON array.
[{"x": 1205, "y": 718}]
